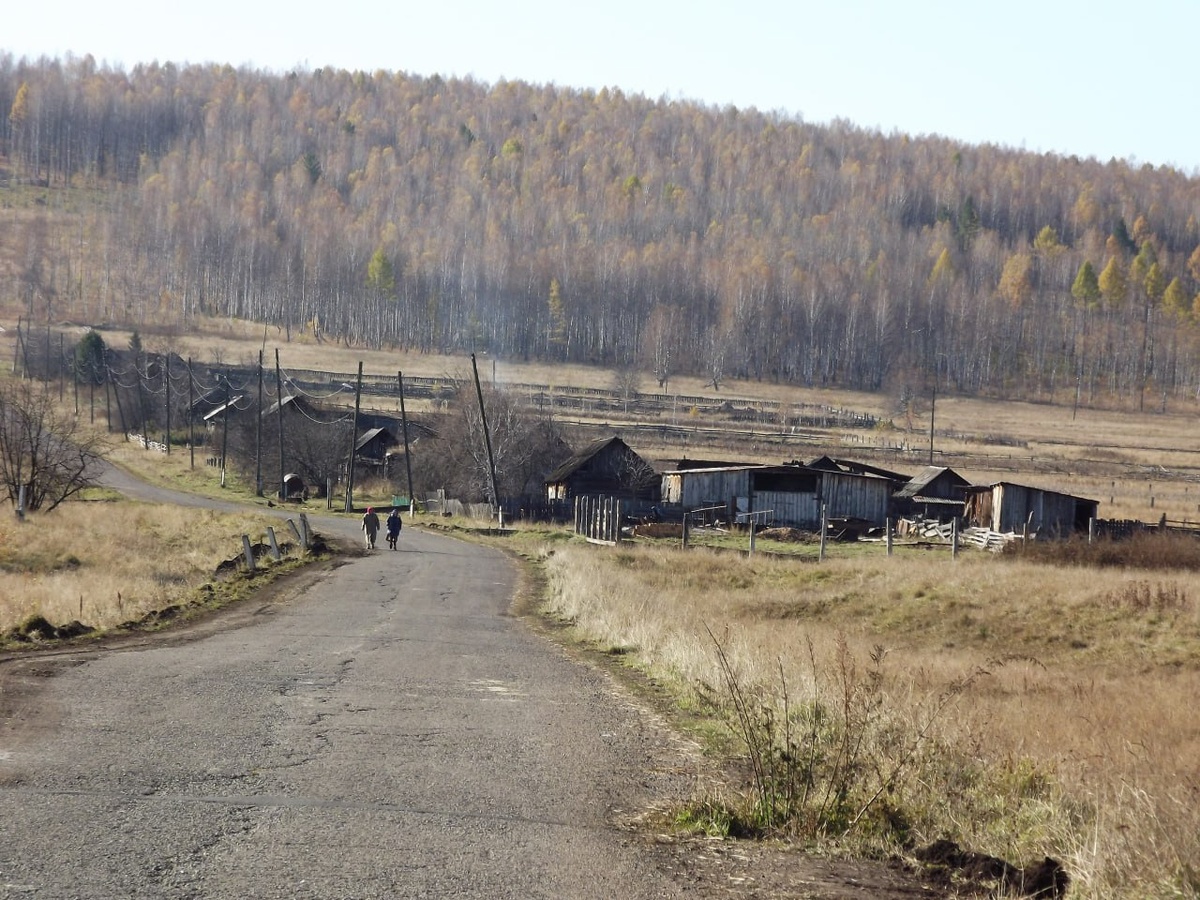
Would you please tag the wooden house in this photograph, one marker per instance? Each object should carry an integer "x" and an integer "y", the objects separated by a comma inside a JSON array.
[
  {"x": 1006, "y": 507},
  {"x": 606, "y": 467}
]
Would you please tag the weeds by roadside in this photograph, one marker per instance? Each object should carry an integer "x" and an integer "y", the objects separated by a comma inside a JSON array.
[{"x": 953, "y": 733}]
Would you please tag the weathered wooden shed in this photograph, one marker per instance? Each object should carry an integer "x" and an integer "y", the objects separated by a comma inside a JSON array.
[
  {"x": 607, "y": 466},
  {"x": 793, "y": 494},
  {"x": 936, "y": 492},
  {"x": 1005, "y": 506}
]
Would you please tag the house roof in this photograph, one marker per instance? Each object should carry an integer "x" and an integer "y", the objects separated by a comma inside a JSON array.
[
  {"x": 231, "y": 405},
  {"x": 854, "y": 467},
  {"x": 924, "y": 479},
  {"x": 734, "y": 468},
  {"x": 370, "y": 435},
  {"x": 686, "y": 464},
  {"x": 582, "y": 458}
]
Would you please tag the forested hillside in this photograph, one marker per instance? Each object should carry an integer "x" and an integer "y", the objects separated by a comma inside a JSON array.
[{"x": 546, "y": 222}]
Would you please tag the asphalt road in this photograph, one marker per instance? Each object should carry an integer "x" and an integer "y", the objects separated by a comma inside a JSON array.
[{"x": 389, "y": 732}]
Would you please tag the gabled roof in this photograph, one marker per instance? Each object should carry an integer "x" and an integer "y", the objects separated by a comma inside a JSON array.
[
  {"x": 854, "y": 467},
  {"x": 925, "y": 478},
  {"x": 582, "y": 458},
  {"x": 372, "y": 433}
]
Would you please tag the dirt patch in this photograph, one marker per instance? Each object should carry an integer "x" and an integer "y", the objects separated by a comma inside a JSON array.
[{"x": 788, "y": 535}]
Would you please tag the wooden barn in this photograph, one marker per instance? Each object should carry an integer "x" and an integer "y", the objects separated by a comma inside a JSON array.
[
  {"x": 607, "y": 467},
  {"x": 791, "y": 494},
  {"x": 1005, "y": 507},
  {"x": 936, "y": 492}
]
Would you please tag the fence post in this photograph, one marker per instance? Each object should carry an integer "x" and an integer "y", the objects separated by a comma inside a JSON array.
[
  {"x": 954, "y": 538},
  {"x": 248, "y": 551},
  {"x": 275, "y": 554},
  {"x": 751, "y": 536},
  {"x": 824, "y": 528},
  {"x": 1091, "y": 529},
  {"x": 686, "y": 518},
  {"x": 888, "y": 529},
  {"x": 305, "y": 532}
]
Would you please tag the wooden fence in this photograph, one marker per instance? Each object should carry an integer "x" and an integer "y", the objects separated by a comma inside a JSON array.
[{"x": 598, "y": 519}]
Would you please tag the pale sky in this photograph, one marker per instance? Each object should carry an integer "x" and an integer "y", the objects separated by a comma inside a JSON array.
[{"x": 1094, "y": 78}]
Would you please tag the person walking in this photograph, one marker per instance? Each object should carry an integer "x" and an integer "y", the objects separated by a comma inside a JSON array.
[
  {"x": 393, "y": 527},
  {"x": 370, "y": 527}
]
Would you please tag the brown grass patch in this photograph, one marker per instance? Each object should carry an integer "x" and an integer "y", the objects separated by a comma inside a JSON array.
[
  {"x": 1081, "y": 742},
  {"x": 108, "y": 563}
]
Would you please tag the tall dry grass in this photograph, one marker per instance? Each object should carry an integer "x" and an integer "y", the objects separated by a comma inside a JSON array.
[
  {"x": 104, "y": 563},
  {"x": 1044, "y": 710}
]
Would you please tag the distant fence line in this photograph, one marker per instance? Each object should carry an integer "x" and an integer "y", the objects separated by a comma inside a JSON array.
[{"x": 786, "y": 413}]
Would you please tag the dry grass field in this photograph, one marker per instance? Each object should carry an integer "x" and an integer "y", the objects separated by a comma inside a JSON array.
[
  {"x": 1019, "y": 708},
  {"x": 107, "y": 562}
]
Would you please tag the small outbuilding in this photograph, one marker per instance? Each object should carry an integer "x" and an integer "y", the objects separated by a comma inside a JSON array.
[
  {"x": 936, "y": 492},
  {"x": 1009, "y": 507},
  {"x": 294, "y": 487}
]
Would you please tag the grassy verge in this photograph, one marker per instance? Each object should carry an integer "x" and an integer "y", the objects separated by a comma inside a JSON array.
[
  {"x": 109, "y": 563},
  {"x": 1018, "y": 706}
]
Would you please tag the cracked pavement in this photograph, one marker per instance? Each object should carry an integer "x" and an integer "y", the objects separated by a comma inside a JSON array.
[{"x": 389, "y": 732}]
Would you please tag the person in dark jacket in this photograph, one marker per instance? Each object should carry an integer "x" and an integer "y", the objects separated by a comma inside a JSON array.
[{"x": 393, "y": 527}]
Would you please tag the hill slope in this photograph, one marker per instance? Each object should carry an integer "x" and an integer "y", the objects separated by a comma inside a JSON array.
[{"x": 549, "y": 223}]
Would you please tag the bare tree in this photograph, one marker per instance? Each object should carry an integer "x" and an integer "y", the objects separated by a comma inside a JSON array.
[
  {"x": 42, "y": 449},
  {"x": 627, "y": 382},
  {"x": 525, "y": 446}
]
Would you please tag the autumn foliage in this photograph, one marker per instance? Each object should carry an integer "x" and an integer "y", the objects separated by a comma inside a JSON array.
[{"x": 527, "y": 221}]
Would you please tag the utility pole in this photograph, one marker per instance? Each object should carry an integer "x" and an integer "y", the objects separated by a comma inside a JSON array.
[
  {"x": 258, "y": 488},
  {"x": 141, "y": 399},
  {"x": 191, "y": 415},
  {"x": 279, "y": 393},
  {"x": 167, "y": 382},
  {"x": 107, "y": 395},
  {"x": 120, "y": 409},
  {"x": 932, "y": 407},
  {"x": 487, "y": 438},
  {"x": 225, "y": 430},
  {"x": 412, "y": 504},
  {"x": 353, "y": 441}
]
